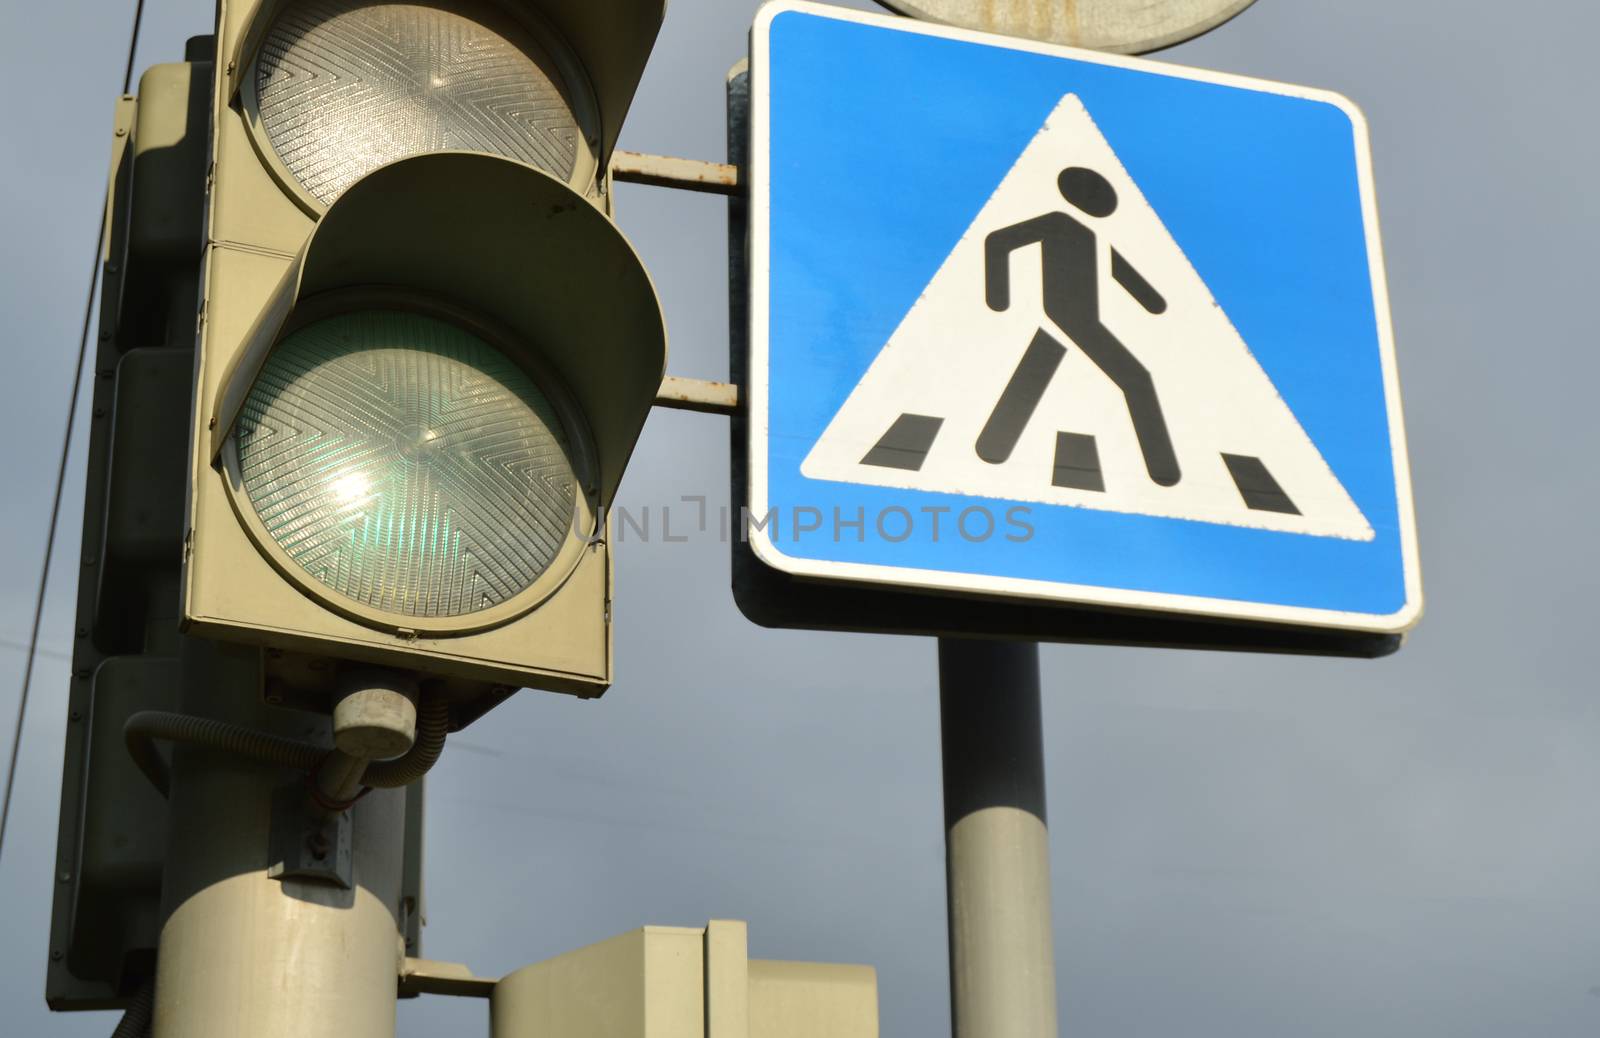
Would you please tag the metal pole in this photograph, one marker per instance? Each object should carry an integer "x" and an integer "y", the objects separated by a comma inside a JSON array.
[
  {"x": 997, "y": 844},
  {"x": 245, "y": 955}
]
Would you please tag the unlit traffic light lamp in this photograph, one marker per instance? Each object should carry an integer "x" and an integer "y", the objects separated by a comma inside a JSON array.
[
  {"x": 404, "y": 464},
  {"x": 338, "y": 88}
]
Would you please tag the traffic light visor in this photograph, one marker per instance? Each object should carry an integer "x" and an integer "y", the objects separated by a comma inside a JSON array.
[{"x": 440, "y": 396}]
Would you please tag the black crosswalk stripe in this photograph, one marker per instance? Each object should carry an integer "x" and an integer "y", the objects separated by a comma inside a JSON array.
[
  {"x": 1077, "y": 465},
  {"x": 1260, "y": 491},
  {"x": 906, "y": 444}
]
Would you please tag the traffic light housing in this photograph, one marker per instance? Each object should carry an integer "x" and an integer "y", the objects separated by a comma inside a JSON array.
[{"x": 425, "y": 351}]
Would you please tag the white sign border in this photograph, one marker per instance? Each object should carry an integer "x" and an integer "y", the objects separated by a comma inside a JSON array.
[{"x": 758, "y": 387}]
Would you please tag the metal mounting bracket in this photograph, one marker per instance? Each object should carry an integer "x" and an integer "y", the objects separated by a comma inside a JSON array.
[
  {"x": 695, "y": 394},
  {"x": 427, "y": 977},
  {"x": 307, "y": 841},
  {"x": 715, "y": 178}
]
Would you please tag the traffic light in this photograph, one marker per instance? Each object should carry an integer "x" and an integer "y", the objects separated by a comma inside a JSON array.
[{"x": 425, "y": 351}]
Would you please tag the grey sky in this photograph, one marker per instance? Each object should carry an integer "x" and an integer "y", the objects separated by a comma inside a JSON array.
[{"x": 1243, "y": 846}]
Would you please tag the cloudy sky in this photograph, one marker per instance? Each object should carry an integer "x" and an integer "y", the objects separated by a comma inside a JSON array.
[{"x": 1242, "y": 846}]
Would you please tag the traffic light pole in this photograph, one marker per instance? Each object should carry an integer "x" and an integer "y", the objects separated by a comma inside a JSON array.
[
  {"x": 243, "y": 953},
  {"x": 997, "y": 843}
]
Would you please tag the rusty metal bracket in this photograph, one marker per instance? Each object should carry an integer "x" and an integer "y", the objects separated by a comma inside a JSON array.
[
  {"x": 715, "y": 178},
  {"x": 695, "y": 394}
]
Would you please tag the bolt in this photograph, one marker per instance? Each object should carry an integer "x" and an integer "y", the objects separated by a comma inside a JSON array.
[
  {"x": 99, "y": 412},
  {"x": 76, "y": 715},
  {"x": 318, "y": 844},
  {"x": 83, "y": 632},
  {"x": 55, "y": 955},
  {"x": 122, "y": 131},
  {"x": 66, "y": 877}
]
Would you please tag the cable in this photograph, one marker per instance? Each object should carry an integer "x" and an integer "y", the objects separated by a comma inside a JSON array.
[
  {"x": 143, "y": 728},
  {"x": 136, "y": 1020},
  {"x": 433, "y": 725},
  {"x": 12, "y": 645},
  {"x": 61, "y": 473}
]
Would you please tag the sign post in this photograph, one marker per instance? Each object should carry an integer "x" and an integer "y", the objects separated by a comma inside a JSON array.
[{"x": 997, "y": 841}]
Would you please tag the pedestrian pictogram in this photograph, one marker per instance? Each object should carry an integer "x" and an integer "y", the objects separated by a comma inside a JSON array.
[{"x": 1075, "y": 356}]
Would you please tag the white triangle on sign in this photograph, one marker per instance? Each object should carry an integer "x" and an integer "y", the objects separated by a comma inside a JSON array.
[{"x": 957, "y": 370}]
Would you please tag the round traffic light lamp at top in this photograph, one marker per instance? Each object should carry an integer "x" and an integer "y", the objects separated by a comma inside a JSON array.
[
  {"x": 341, "y": 87},
  {"x": 410, "y": 468}
]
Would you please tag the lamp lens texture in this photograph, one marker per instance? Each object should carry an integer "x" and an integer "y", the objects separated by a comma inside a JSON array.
[
  {"x": 345, "y": 86},
  {"x": 406, "y": 464}
]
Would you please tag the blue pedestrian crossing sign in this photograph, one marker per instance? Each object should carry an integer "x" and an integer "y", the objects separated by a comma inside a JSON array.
[{"x": 1042, "y": 323}]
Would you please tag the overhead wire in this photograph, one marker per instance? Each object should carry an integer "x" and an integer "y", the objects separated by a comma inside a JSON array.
[{"x": 61, "y": 473}]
